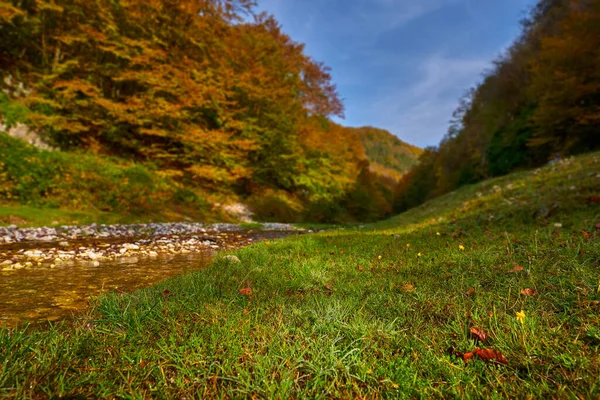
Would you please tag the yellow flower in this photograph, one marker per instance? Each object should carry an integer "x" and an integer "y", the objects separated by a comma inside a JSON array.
[
  {"x": 437, "y": 233},
  {"x": 521, "y": 316},
  {"x": 461, "y": 247},
  {"x": 419, "y": 255},
  {"x": 379, "y": 257},
  {"x": 407, "y": 245}
]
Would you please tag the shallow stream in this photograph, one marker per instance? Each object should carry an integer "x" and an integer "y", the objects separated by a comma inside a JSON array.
[{"x": 48, "y": 292}]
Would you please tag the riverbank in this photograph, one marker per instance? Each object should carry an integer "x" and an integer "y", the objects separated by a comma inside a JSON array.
[
  {"x": 34, "y": 247},
  {"x": 394, "y": 310}
]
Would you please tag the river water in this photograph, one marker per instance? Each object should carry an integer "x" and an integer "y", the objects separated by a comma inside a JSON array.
[{"x": 50, "y": 293}]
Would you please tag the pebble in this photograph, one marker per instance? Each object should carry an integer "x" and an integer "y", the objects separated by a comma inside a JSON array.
[
  {"x": 63, "y": 234},
  {"x": 141, "y": 240}
]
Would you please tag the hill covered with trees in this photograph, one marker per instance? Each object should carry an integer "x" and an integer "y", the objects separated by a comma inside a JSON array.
[
  {"x": 388, "y": 155},
  {"x": 212, "y": 96},
  {"x": 540, "y": 101}
]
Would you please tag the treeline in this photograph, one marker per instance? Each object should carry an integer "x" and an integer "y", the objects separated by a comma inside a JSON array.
[
  {"x": 211, "y": 95},
  {"x": 540, "y": 101}
]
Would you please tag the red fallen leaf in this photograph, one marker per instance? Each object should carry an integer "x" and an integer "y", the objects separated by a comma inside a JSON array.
[
  {"x": 585, "y": 234},
  {"x": 479, "y": 334},
  {"x": 246, "y": 291},
  {"x": 408, "y": 287},
  {"x": 166, "y": 292},
  {"x": 327, "y": 286},
  {"x": 517, "y": 268},
  {"x": 470, "y": 291},
  {"x": 528, "y": 292},
  {"x": 489, "y": 355},
  {"x": 594, "y": 199},
  {"x": 360, "y": 268}
]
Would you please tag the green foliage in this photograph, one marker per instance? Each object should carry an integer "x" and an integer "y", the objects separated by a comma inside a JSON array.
[
  {"x": 12, "y": 111},
  {"x": 74, "y": 181}
]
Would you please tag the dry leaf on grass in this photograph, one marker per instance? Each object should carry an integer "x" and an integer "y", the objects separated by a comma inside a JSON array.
[
  {"x": 479, "y": 334},
  {"x": 528, "y": 292},
  {"x": 470, "y": 291},
  {"x": 594, "y": 199},
  {"x": 246, "y": 291},
  {"x": 517, "y": 268},
  {"x": 488, "y": 355},
  {"x": 408, "y": 287}
]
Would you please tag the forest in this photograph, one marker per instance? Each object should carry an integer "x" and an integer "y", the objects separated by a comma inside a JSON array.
[
  {"x": 540, "y": 102},
  {"x": 207, "y": 94}
]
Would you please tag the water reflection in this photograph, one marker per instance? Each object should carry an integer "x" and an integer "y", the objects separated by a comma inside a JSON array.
[{"x": 44, "y": 293}]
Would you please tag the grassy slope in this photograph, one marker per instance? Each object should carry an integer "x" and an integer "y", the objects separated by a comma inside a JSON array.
[
  {"x": 40, "y": 187},
  {"x": 351, "y": 313}
]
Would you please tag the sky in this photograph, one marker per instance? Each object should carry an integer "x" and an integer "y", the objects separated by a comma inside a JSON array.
[{"x": 402, "y": 65}]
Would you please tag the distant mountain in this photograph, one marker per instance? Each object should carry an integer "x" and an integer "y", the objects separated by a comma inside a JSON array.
[{"x": 388, "y": 155}]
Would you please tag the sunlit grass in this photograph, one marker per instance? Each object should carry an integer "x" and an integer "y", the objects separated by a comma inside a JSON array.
[{"x": 356, "y": 312}]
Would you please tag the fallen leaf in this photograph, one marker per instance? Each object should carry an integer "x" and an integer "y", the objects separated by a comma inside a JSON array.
[
  {"x": 585, "y": 234},
  {"x": 528, "y": 292},
  {"x": 517, "y": 268},
  {"x": 246, "y": 291},
  {"x": 470, "y": 291},
  {"x": 166, "y": 292},
  {"x": 598, "y": 225},
  {"x": 489, "y": 355},
  {"x": 360, "y": 268},
  {"x": 327, "y": 286},
  {"x": 408, "y": 287},
  {"x": 479, "y": 334},
  {"x": 245, "y": 311},
  {"x": 594, "y": 199}
]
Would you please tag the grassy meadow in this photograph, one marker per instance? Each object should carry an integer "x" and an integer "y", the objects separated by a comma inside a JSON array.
[{"x": 378, "y": 311}]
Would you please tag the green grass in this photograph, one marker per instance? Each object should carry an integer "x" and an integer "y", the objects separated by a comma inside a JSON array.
[{"x": 356, "y": 313}]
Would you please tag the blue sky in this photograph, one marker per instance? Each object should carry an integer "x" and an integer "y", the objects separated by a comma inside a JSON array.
[{"x": 402, "y": 65}]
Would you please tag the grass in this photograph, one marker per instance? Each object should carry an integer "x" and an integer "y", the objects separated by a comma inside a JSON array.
[{"x": 357, "y": 313}]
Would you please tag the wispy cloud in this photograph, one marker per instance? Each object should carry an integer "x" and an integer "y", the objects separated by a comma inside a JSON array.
[{"x": 420, "y": 112}]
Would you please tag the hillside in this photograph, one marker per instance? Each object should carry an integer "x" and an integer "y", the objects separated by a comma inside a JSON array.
[
  {"x": 382, "y": 311},
  {"x": 538, "y": 102},
  {"x": 388, "y": 155},
  {"x": 208, "y": 94}
]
